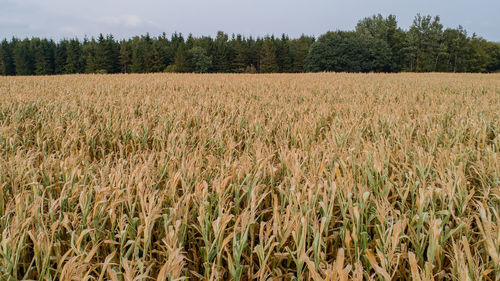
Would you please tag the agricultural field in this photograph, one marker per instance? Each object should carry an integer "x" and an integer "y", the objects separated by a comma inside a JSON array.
[{"x": 250, "y": 177}]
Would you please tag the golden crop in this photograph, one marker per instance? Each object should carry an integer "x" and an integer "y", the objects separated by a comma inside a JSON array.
[{"x": 243, "y": 177}]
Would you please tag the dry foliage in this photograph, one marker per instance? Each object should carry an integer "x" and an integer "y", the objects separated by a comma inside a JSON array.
[{"x": 243, "y": 177}]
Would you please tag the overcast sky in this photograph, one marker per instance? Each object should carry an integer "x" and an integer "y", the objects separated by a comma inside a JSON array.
[{"x": 64, "y": 18}]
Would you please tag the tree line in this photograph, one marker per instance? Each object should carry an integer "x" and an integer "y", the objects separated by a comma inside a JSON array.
[{"x": 377, "y": 44}]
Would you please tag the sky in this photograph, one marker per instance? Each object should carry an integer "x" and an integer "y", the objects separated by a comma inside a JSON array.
[{"x": 59, "y": 19}]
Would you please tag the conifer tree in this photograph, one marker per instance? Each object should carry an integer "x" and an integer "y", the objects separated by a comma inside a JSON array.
[
  {"x": 44, "y": 56},
  {"x": 222, "y": 53},
  {"x": 268, "y": 57},
  {"x": 6, "y": 58},
  {"x": 283, "y": 58},
  {"x": 239, "y": 61},
  {"x": 377, "y": 44},
  {"x": 181, "y": 61},
  {"x": 74, "y": 58},
  {"x": 60, "y": 57},
  {"x": 24, "y": 58},
  {"x": 89, "y": 53},
  {"x": 137, "y": 61},
  {"x": 125, "y": 57},
  {"x": 300, "y": 49},
  {"x": 111, "y": 55}
]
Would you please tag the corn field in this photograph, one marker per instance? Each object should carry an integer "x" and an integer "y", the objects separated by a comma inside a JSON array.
[{"x": 250, "y": 177}]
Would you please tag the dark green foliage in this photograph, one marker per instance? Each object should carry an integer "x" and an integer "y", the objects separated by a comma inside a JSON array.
[
  {"x": 60, "y": 57},
  {"x": 253, "y": 46},
  {"x": 181, "y": 62},
  {"x": 493, "y": 50},
  {"x": 268, "y": 63},
  {"x": 74, "y": 58},
  {"x": 44, "y": 56},
  {"x": 424, "y": 43},
  {"x": 240, "y": 58},
  {"x": 385, "y": 33},
  {"x": 348, "y": 51},
  {"x": 377, "y": 44},
  {"x": 24, "y": 57},
  {"x": 221, "y": 53},
  {"x": 199, "y": 60},
  {"x": 150, "y": 56},
  {"x": 125, "y": 57},
  {"x": 138, "y": 46},
  {"x": 299, "y": 50},
  {"x": 283, "y": 57},
  {"x": 7, "y": 66},
  {"x": 478, "y": 55},
  {"x": 106, "y": 55},
  {"x": 455, "y": 42},
  {"x": 89, "y": 54}
]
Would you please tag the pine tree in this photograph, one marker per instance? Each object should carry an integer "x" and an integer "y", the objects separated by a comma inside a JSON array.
[
  {"x": 162, "y": 44},
  {"x": 283, "y": 58},
  {"x": 23, "y": 58},
  {"x": 148, "y": 58},
  {"x": 3, "y": 58},
  {"x": 377, "y": 44},
  {"x": 74, "y": 57},
  {"x": 181, "y": 61},
  {"x": 100, "y": 60},
  {"x": 137, "y": 62},
  {"x": 44, "y": 56},
  {"x": 89, "y": 54},
  {"x": 239, "y": 61},
  {"x": 111, "y": 55},
  {"x": 60, "y": 57},
  {"x": 268, "y": 57},
  {"x": 222, "y": 53},
  {"x": 300, "y": 49},
  {"x": 6, "y": 58},
  {"x": 169, "y": 49},
  {"x": 125, "y": 57},
  {"x": 253, "y": 47},
  {"x": 156, "y": 62}
]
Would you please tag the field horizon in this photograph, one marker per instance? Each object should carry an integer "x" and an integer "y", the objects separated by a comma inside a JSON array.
[{"x": 257, "y": 74}]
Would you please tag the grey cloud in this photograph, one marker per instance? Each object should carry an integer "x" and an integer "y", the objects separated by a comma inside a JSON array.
[{"x": 126, "y": 18}]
